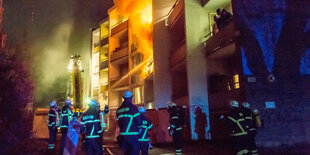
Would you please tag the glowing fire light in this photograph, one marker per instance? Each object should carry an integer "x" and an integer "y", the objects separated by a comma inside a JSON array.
[{"x": 141, "y": 23}]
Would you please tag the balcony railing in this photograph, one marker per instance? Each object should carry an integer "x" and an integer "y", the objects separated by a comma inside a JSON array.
[
  {"x": 118, "y": 83},
  {"x": 177, "y": 11},
  {"x": 178, "y": 55},
  {"x": 119, "y": 27},
  {"x": 104, "y": 64},
  {"x": 118, "y": 54},
  {"x": 221, "y": 39},
  {"x": 105, "y": 40}
]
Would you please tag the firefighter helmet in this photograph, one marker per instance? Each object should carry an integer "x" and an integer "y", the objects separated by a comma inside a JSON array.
[
  {"x": 127, "y": 94},
  {"x": 53, "y": 104},
  {"x": 68, "y": 102},
  {"x": 234, "y": 103},
  {"x": 92, "y": 103},
  {"x": 142, "y": 110},
  {"x": 171, "y": 104},
  {"x": 246, "y": 104}
]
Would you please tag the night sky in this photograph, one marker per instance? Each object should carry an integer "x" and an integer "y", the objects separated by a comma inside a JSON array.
[{"x": 59, "y": 29}]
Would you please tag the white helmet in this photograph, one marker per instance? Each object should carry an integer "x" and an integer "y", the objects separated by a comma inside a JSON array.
[
  {"x": 68, "y": 102},
  {"x": 234, "y": 103},
  {"x": 92, "y": 103},
  {"x": 246, "y": 104},
  {"x": 171, "y": 104},
  {"x": 53, "y": 104}
]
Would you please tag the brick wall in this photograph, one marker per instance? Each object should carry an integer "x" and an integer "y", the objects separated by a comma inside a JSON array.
[{"x": 289, "y": 122}]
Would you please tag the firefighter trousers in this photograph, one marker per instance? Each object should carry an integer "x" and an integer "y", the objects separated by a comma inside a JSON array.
[
  {"x": 177, "y": 142},
  {"x": 240, "y": 145},
  {"x": 129, "y": 144},
  {"x": 252, "y": 144},
  {"x": 93, "y": 146},
  {"x": 144, "y": 147},
  {"x": 101, "y": 141},
  {"x": 52, "y": 137},
  {"x": 64, "y": 132}
]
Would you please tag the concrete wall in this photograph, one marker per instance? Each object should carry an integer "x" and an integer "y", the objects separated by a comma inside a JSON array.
[
  {"x": 161, "y": 47},
  {"x": 196, "y": 19},
  {"x": 40, "y": 128},
  {"x": 275, "y": 41}
]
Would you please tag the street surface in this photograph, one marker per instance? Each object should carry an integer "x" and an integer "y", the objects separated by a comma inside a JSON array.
[{"x": 190, "y": 148}]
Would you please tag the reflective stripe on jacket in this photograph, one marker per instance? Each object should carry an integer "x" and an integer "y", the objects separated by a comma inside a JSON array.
[
  {"x": 66, "y": 116},
  {"x": 129, "y": 119},
  {"x": 91, "y": 124},
  {"x": 146, "y": 126},
  {"x": 236, "y": 122},
  {"x": 53, "y": 117}
]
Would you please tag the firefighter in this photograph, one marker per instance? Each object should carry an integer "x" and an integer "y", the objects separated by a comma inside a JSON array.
[
  {"x": 102, "y": 121},
  {"x": 129, "y": 121},
  {"x": 175, "y": 128},
  {"x": 92, "y": 129},
  {"x": 53, "y": 123},
  {"x": 66, "y": 115},
  {"x": 251, "y": 127},
  {"x": 144, "y": 139},
  {"x": 238, "y": 130}
]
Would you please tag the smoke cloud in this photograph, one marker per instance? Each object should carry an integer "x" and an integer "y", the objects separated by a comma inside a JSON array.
[{"x": 52, "y": 31}]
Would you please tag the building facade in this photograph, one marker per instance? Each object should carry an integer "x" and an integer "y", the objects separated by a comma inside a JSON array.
[
  {"x": 200, "y": 67},
  {"x": 99, "y": 63}
]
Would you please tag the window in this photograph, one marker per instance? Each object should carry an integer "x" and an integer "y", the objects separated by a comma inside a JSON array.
[
  {"x": 138, "y": 95},
  {"x": 236, "y": 81}
]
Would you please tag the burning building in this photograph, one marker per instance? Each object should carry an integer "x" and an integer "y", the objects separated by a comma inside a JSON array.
[{"x": 171, "y": 50}]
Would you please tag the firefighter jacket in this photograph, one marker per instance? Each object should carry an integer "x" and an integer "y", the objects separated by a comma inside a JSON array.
[
  {"x": 91, "y": 124},
  {"x": 66, "y": 117},
  {"x": 128, "y": 118},
  {"x": 236, "y": 122},
  {"x": 249, "y": 121},
  {"x": 101, "y": 116},
  {"x": 146, "y": 126},
  {"x": 53, "y": 118},
  {"x": 176, "y": 121}
]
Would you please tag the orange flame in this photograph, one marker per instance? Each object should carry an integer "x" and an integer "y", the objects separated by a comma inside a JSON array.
[{"x": 139, "y": 13}]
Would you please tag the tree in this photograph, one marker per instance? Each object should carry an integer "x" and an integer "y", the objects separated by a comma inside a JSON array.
[{"x": 16, "y": 103}]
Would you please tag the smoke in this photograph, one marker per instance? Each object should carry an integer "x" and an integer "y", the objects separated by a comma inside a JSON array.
[
  {"x": 50, "y": 32},
  {"x": 52, "y": 64}
]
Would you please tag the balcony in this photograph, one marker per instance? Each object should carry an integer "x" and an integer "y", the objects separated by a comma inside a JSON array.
[
  {"x": 121, "y": 27},
  {"x": 118, "y": 84},
  {"x": 176, "y": 14},
  {"x": 104, "y": 64},
  {"x": 119, "y": 56},
  {"x": 134, "y": 51},
  {"x": 104, "y": 41},
  {"x": 178, "y": 56},
  {"x": 96, "y": 47},
  {"x": 221, "y": 39}
]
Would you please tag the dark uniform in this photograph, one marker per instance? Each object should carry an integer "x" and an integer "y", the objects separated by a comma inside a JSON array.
[
  {"x": 144, "y": 136},
  {"x": 102, "y": 123},
  {"x": 92, "y": 130},
  {"x": 129, "y": 121},
  {"x": 251, "y": 129},
  {"x": 239, "y": 134},
  {"x": 176, "y": 123},
  {"x": 52, "y": 122},
  {"x": 66, "y": 116}
]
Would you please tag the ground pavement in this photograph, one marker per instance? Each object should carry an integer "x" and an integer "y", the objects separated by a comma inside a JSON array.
[{"x": 190, "y": 148}]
